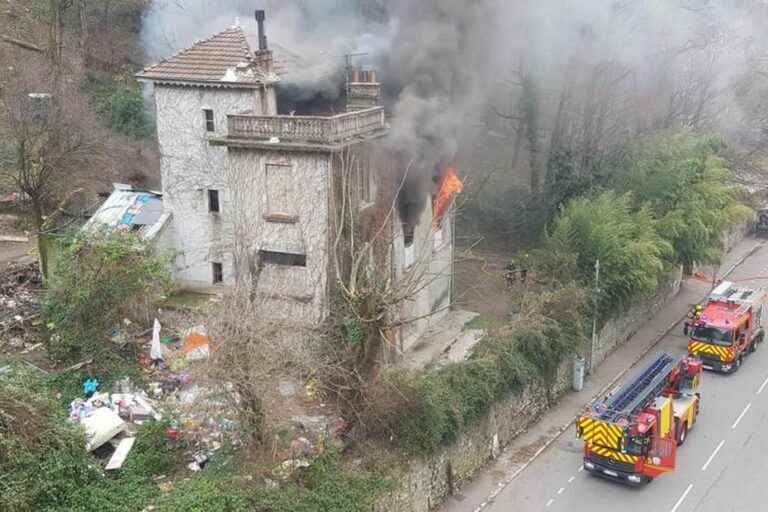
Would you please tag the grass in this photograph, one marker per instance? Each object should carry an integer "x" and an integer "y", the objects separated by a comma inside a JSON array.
[
  {"x": 184, "y": 300},
  {"x": 488, "y": 323}
]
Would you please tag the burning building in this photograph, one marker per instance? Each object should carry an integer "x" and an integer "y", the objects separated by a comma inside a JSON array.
[{"x": 249, "y": 188}]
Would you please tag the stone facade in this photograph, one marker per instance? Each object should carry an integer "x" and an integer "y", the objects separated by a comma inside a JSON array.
[
  {"x": 190, "y": 167},
  {"x": 249, "y": 191}
]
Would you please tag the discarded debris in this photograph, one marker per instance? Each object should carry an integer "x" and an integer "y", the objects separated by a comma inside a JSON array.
[
  {"x": 31, "y": 348},
  {"x": 155, "y": 351},
  {"x": 121, "y": 453},
  {"x": 15, "y": 239},
  {"x": 100, "y": 426},
  {"x": 196, "y": 344}
]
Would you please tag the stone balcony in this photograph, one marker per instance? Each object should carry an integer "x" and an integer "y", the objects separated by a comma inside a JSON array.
[{"x": 308, "y": 132}]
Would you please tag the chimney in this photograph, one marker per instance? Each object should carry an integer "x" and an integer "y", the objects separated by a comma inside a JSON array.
[
  {"x": 260, "y": 17},
  {"x": 363, "y": 91}
]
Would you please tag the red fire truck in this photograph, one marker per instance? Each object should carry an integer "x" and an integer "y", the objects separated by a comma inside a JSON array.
[
  {"x": 632, "y": 435},
  {"x": 729, "y": 327}
]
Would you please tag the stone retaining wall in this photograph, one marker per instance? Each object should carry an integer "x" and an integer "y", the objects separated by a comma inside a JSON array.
[{"x": 428, "y": 481}]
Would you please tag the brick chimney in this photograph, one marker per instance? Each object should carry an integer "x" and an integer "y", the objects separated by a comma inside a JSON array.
[{"x": 363, "y": 89}]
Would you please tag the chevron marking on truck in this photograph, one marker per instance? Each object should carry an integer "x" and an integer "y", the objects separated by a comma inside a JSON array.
[
  {"x": 613, "y": 454},
  {"x": 724, "y": 353},
  {"x": 600, "y": 433}
]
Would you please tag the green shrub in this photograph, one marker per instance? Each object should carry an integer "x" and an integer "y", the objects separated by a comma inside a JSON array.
[
  {"x": 43, "y": 461},
  {"x": 99, "y": 281},
  {"x": 206, "y": 491},
  {"x": 120, "y": 103},
  {"x": 633, "y": 256},
  {"x": 325, "y": 487},
  {"x": 152, "y": 453},
  {"x": 689, "y": 190}
]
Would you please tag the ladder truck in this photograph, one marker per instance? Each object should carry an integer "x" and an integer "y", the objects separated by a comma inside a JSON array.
[
  {"x": 729, "y": 327},
  {"x": 631, "y": 436}
]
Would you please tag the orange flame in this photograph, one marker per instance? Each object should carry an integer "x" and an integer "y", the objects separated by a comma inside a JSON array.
[{"x": 449, "y": 184}]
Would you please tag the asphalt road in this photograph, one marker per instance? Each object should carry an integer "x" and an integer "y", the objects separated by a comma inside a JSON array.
[{"x": 721, "y": 467}]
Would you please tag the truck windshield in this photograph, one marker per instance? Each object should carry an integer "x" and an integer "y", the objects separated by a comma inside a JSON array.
[
  {"x": 712, "y": 335},
  {"x": 637, "y": 444}
]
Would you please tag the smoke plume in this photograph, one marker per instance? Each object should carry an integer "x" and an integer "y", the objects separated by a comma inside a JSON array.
[{"x": 604, "y": 69}]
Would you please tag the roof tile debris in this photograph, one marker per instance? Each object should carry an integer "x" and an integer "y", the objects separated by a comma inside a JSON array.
[{"x": 217, "y": 60}]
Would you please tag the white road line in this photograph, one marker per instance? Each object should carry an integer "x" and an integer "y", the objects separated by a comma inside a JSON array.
[
  {"x": 711, "y": 457},
  {"x": 550, "y": 502},
  {"x": 561, "y": 490},
  {"x": 762, "y": 387},
  {"x": 581, "y": 468},
  {"x": 735, "y": 423},
  {"x": 571, "y": 479},
  {"x": 682, "y": 498}
]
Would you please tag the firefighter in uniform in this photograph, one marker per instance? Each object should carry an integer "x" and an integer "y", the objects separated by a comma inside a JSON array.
[{"x": 690, "y": 320}]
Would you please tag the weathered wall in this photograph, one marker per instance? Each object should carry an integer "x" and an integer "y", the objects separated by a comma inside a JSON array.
[
  {"x": 426, "y": 484},
  {"x": 433, "y": 266},
  {"x": 190, "y": 166},
  {"x": 292, "y": 292}
]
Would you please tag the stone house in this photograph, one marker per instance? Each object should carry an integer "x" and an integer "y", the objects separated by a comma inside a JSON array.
[{"x": 247, "y": 187}]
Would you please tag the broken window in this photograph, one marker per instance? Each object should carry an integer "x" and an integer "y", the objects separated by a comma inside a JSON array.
[
  {"x": 409, "y": 254},
  {"x": 213, "y": 201},
  {"x": 283, "y": 258},
  {"x": 279, "y": 181},
  {"x": 218, "y": 273},
  {"x": 408, "y": 234},
  {"x": 209, "y": 124}
]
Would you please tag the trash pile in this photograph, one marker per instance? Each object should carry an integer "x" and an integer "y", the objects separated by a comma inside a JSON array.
[
  {"x": 199, "y": 415},
  {"x": 109, "y": 418},
  {"x": 20, "y": 285}
]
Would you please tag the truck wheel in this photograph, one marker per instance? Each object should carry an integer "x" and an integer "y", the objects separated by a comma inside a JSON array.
[
  {"x": 737, "y": 363},
  {"x": 682, "y": 434}
]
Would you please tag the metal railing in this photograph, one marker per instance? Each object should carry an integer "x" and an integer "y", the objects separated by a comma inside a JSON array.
[{"x": 317, "y": 129}]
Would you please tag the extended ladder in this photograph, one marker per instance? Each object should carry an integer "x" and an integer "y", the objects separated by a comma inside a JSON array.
[{"x": 635, "y": 394}]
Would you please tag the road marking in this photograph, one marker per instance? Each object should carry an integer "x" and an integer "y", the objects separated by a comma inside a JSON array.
[
  {"x": 571, "y": 479},
  {"x": 711, "y": 457},
  {"x": 581, "y": 468},
  {"x": 735, "y": 423},
  {"x": 550, "y": 502},
  {"x": 682, "y": 498},
  {"x": 561, "y": 490},
  {"x": 763, "y": 386}
]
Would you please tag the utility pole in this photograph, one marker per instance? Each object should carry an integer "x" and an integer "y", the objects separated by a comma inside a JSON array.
[{"x": 593, "y": 341}]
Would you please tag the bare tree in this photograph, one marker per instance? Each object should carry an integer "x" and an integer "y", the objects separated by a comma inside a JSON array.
[
  {"x": 53, "y": 142},
  {"x": 254, "y": 350}
]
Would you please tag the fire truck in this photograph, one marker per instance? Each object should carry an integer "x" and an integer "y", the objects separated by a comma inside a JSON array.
[
  {"x": 631, "y": 436},
  {"x": 729, "y": 327}
]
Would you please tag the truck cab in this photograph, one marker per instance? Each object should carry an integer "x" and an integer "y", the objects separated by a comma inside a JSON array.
[{"x": 729, "y": 327}]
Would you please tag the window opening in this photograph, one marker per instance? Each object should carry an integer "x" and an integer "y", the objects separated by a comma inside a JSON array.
[
  {"x": 283, "y": 258},
  {"x": 218, "y": 273},
  {"x": 209, "y": 124},
  {"x": 213, "y": 201}
]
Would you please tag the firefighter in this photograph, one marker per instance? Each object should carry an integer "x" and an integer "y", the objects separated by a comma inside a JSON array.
[
  {"x": 693, "y": 316},
  {"x": 510, "y": 273}
]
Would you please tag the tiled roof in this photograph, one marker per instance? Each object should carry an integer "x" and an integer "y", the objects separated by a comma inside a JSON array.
[{"x": 211, "y": 61}]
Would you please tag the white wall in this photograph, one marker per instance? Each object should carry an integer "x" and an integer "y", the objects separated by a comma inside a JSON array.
[
  {"x": 190, "y": 166},
  {"x": 430, "y": 303},
  {"x": 297, "y": 293}
]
